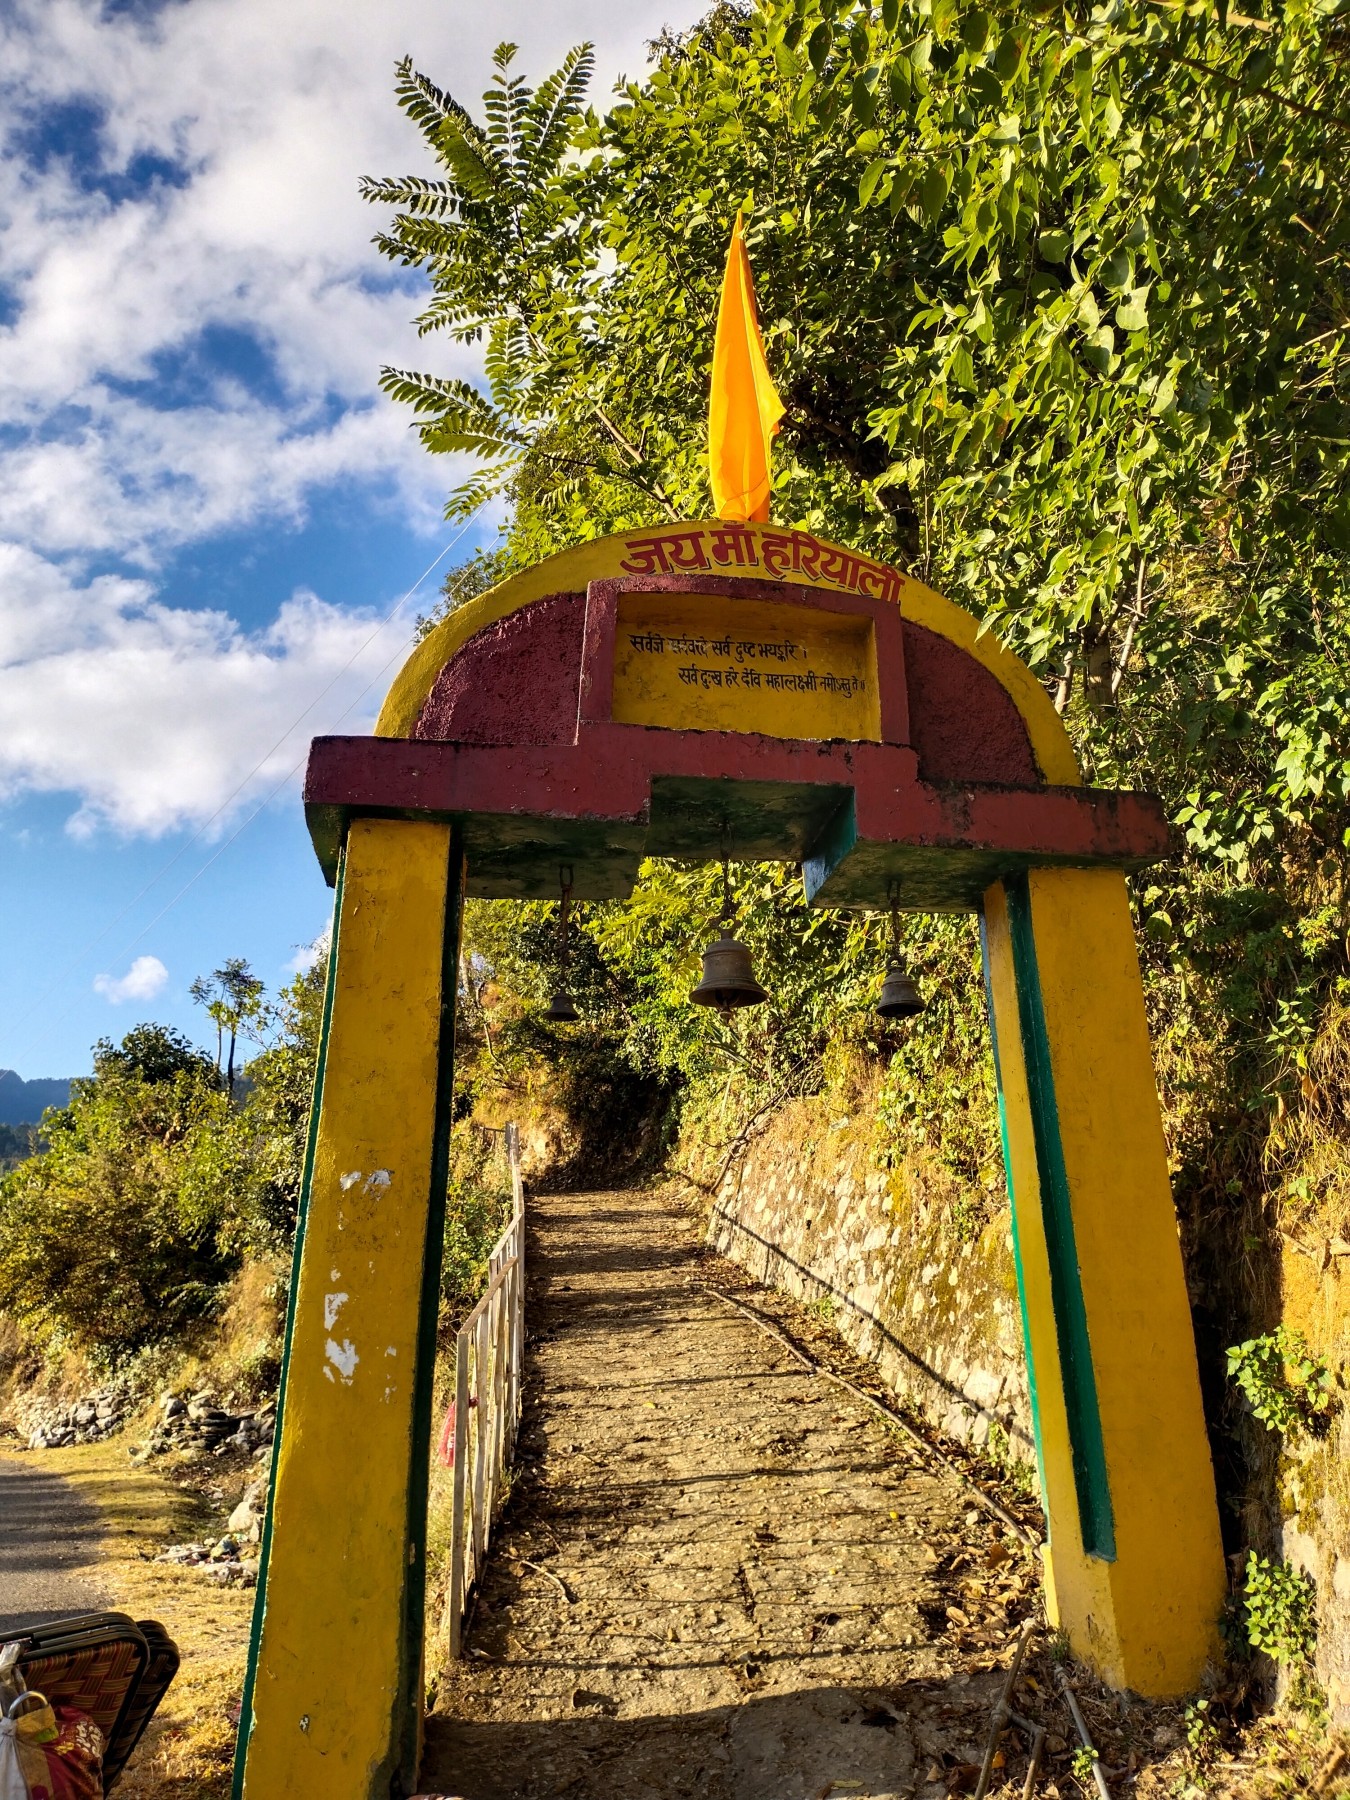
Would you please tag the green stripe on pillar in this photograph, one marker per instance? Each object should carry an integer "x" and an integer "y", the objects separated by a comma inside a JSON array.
[
  {"x": 414, "y": 1620},
  {"x": 1012, "y": 1218},
  {"x": 1075, "y": 1350}
]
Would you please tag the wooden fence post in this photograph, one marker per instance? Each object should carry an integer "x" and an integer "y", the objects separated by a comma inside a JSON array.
[
  {"x": 482, "y": 1395},
  {"x": 461, "y": 1445},
  {"x": 489, "y": 1388}
]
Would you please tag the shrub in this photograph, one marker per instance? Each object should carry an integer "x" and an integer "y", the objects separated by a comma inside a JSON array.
[
  {"x": 152, "y": 1185},
  {"x": 478, "y": 1205},
  {"x": 110, "y": 1237},
  {"x": 1280, "y": 1607},
  {"x": 1286, "y": 1386}
]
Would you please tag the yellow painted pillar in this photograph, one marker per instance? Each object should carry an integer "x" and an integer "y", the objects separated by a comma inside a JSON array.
[
  {"x": 1135, "y": 1571},
  {"x": 333, "y": 1701}
]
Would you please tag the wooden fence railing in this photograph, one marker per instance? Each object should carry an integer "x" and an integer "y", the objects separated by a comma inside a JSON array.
[{"x": 489, "y": 1359}]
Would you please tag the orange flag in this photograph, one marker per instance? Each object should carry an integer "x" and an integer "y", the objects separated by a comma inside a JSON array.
[{"x": 744, "y": 411}]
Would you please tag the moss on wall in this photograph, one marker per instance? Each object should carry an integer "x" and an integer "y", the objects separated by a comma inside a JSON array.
[
  {"x": 1314, "y": 1471},
  {"x": 918, "y": 1275}
]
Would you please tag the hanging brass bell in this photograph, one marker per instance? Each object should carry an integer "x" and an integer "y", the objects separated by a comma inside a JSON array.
[
  {"x": 899, "y": 996},
  {"x": 728, "y": 979},
  {"x": 562, "y": 1009}
]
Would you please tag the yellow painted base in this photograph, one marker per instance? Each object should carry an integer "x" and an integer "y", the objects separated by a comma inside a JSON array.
[
  {"x": 336, "y": 1686},
  {"x": 1146, "y": 1617}
]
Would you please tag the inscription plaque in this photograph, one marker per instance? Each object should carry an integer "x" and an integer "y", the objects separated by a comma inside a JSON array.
[{"x": 701, "y": 662}]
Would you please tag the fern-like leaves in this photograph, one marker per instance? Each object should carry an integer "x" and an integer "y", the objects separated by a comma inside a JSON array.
[
  {"x": 429, "y": 107},
  {"x": 483, "y": 486},
  {"x": 415, "y": 193},
  {"x": 463, "y": 319},
  {"x": 489, "y": 232},
  {"x": 453, "y": 414},
  {"x": 557, "y": 102},
  {"x": 505, "y": 360},
  {"x": 452, "y": 134}
]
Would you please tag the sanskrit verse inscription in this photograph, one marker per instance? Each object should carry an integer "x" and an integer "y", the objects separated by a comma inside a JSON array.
[{"x": 704, "y": 663}]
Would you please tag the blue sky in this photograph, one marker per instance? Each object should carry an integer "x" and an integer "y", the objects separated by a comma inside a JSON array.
[{"x": 208, "y": 514}]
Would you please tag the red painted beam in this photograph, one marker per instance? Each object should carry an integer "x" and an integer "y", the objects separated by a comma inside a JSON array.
[{"x": 607, "y": 776}]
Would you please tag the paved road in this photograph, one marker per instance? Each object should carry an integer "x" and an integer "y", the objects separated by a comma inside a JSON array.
[{"x": 47, "y": 1534}]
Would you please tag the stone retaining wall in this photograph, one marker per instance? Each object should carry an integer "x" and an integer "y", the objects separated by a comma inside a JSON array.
[
  {"x": 1314, "y": 1472},
  {"x": 935, "y": 1307}
]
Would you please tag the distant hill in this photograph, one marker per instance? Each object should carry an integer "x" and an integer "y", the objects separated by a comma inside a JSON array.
[{"x": 24, "y": 1102}]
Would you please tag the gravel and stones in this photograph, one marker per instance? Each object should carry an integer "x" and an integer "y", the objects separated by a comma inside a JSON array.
[
  {"x": 197, "y": 1424},
  {"x": 718, "y": 1575},
  {"x": 53, "y": 1426},
  {"x": 222, "y": 1561}
]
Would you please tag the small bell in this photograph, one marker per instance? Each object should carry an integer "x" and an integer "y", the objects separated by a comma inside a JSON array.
[
  {"x": 728, "y": 980},
  {"x": 562, "y": 1008},
  {"x": 899, "y": 996}
]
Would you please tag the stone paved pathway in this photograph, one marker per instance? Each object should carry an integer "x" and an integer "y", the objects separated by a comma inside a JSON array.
[{"x": 713, "y": 1578}]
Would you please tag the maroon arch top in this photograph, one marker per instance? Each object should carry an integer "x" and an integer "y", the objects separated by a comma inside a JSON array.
[
  {"x": 518, "y": 682},
  {"x": 518, "y": 741}
]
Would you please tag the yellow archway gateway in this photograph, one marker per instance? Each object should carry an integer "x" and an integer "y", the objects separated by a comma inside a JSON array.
[{"x": 677, "y": 692}]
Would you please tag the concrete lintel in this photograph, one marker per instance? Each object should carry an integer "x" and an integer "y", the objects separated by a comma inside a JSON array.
[{"x": 856, "y": 815}]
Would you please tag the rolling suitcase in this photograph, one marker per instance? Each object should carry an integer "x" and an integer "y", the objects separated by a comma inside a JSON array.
[{"x": 104, "y": 1665}]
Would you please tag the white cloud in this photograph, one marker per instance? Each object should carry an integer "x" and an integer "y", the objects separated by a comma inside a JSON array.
[
  {"x": 134, "y": 482},
  {"x": 268, "y": 117},
  {"x": 308, "y": 954},
  {"x": 142, "y": 981},
  {"x": 120, "y": 443},
  {"x": 161, "y": 716}
]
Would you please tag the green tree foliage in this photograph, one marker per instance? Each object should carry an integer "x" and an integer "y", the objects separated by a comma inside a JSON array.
[
  {"x": 823, "y": 974},
  {"x": 271, "y": 1129},
  {"x": 1059, "y": 304},
  {"x": 508, "y": 237},
  {"x": 154, "y": 1054},
  {"x": 613, "y": 1096},
  {"x": 146, "y": 1191},
  {"x": 16, "y": 1143},
  {"x": 110, "y": 1238},
  {"x": 808, "y": 961},
  {"x": 478, "y": 1209},
  {"x": 1058, "y": 299},
  {"x": 634, "y": 964},
  {"x": 233, "y": 998}
]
